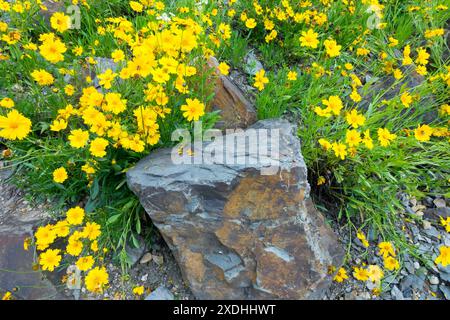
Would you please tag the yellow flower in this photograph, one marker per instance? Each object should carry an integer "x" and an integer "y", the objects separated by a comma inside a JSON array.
[
  {"x": 446, "y": 223},
  {"x": 321, "y": 180},
  {"x": 386, "y": 249},
  {"x": 98, "y": 147},
  {"x": 309, "y": 39},
  {"x": 85, "y": 263},
  {"x": 62, "y": 228},
  {"x": 74, "y": 247},
  {"x": 75, "y": 215},
  {"x": 60, "y": 22},
  {"x": 260, "y": 80},
  {"x": 333, "y": 103},
  {"x": 360, "y": 274},
  {"x": 52, "y": 49},
  {"x": 325, "y": 144},
  {"x": 423, "y": 132},
  {"x": 292, "y": 76},
  {"x": 422, "y": 56},
  {"x": 50, "y": 259},
  {"x": 7, "y": 103},
  {"x": 341, "y": 275},
  {"x": 7, "y": 296},
  {"x": 42, "y": 77},
  {"x": 14, "y": 126},
  {"x": 406, "y": 99},
  {"x": 391, "y": 263},
  {"x": 444, "y": 256},
  {"x": 224, "y": 68},
  {"x": 117, "y": 55},
  {"x": 355, "y": 119},
  {"x": 58, "y": 125},
  {"x": 367, "y": 140},
  {"x": 91, "y": 231},
  {"x": 136, "y": 6},
  {"x": 375, "y": 273},
  {"x": 361, "y": 236},
  {"x": 45, "y": 237},
  {"x": 193, "y": 109},
  {"x": 60, "y": 175},
  {"x": 106, "y": 78},
  {"x": 78, "y": 138},
  {"x": 138, "y": 290},
  {"x": 352, "y": 138},
  {"x": 385, "y": 137},
  {"x": 250, "y": 23},
  {"x": 96, "y": 279},
  {"x": 340, "y": 150},
  {"x": 332, "y": 48},
  {"x": 69, "y": 90}
]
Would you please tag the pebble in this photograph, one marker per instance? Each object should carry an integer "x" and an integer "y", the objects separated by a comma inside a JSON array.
[
  {"x": 434, "y": 280},
  {"x": 439, "y": 203}
]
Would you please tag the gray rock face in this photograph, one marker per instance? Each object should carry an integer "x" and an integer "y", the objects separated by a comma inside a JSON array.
[
  {"x": 235, "y": 232},
  {"x": 160, "y": 293},
  {"x": 17, "y": 221}
]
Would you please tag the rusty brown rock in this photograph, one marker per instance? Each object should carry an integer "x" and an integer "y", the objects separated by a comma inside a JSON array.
[
  {"x": 235, "y": 232},
  {"x": 235, "y": 110}
]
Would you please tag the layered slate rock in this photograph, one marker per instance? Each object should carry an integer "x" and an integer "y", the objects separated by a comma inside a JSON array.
[
  {"x": 241, "y": 231},
  {"x": 17, "y": 223},
  {"x": 236, "y": 111}
]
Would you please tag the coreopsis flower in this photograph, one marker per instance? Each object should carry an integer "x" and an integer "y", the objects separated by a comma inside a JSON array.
[
  {"x": 406, "y": 99},
  {"x": 74, "y": 247},
  {"x": 91, "y": 231},
  {"x": 75, "y": 216},
  {"x": 136, "y": 6},
  {"x": 42, "y": 77},
  {"x": 375, "y": 273},
  {"x": 14, "y": 126},
  {"x": 423, "y": 132},
  {"x": 44, "y": 237},
  {"x": 106, "y": 78},
  {"x": 98, "y": 147},
  {"x": 340, "y": 150},
  {"x": 7, "y": 296},
  {"x": 325, "y": 144},
  {"x": 390, "y": 263},
  {"x": 60, "y": 22},
  {"x": 52, "y": 48},
  {"x": 60, "y": 175},
  {"x": 250, "y": 23},
  {"x": 50, "y": 259},
  {"x": 362, "y": 237},
  {"x": 118, "y": 55},
  {"x": 96, "y": 279},
  {"x": 309, "y": 39},
  {"x": 260, "y": 80},
  {"x": 446, "y": 223},
  {"x": 138, "y": 290},
  {"x": 422, "y": 56},
  {"x": 341, "y": 275},
  {"x": 193, "y": 109},
  {"x": 352, "y": 138},
  {"x": 360, "y": 274},
  {"x": 292, "y": 76},
  {"x": 78, "y": 138},
  {"x": 334, "y": 104},
  {"x": 386, "y": 249},
  {"x": 406, "y": 56},
  {"x": 224, "y": 68},
  {"x": 385, "y": 137},
  {"x": 58, "y": 125},
  {"x": 69, "y": 90},
  {"x": 332, "y": 48},
  {"x": 85, "y": 263},
  {"x": 355, "y": 119},
  {"x": 321, "y": 180},
  {"x": 7, "y": 103},
  {"x": 61, "y": 228},
  {"x": 444, "y": 256}
]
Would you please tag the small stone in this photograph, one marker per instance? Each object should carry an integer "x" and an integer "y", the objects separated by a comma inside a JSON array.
[
  {"x": 434, "y": 280},
  {"x": 416, "y": 265},
  {"x": 146, "y": 258},
  {"x": 144, "y": 278},
  {"x": 439, "y": 203},
  {"x": 396, "y": 293},
  {"x": 161, "y": 293},
  {"x": 159, "y": 260},
  {"x": 426, "y": 224}
]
